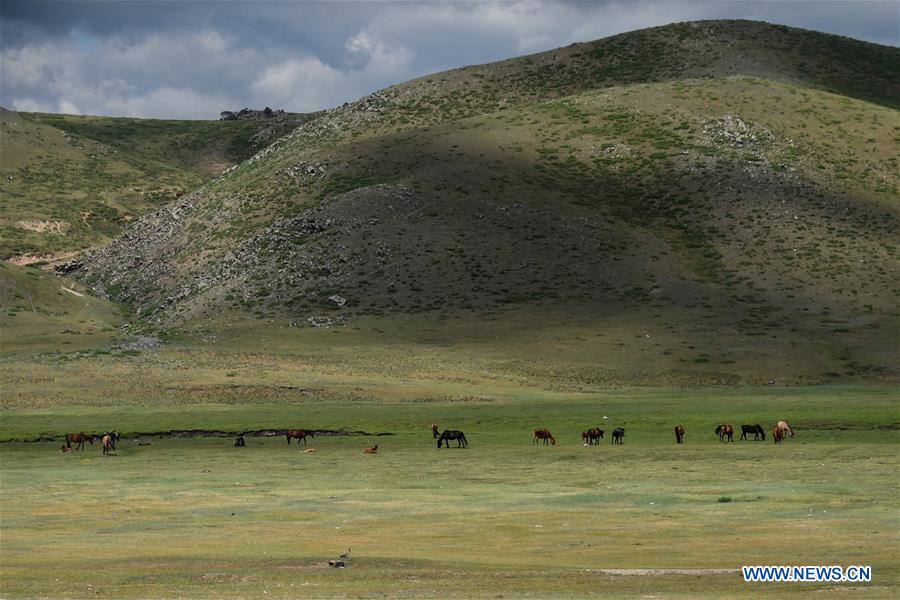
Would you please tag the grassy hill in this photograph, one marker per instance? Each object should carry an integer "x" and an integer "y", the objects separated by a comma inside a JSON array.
[
  {"x": 719, "y": 195},
  {"x": 70, "y": 182}
]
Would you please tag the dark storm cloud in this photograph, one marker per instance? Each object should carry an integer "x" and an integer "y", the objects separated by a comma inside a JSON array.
[{"x": 193, "y": 59}]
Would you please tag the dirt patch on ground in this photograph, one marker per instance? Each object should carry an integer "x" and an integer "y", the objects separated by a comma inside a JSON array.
[
  {"x": 656, "y": 572},
  {"x": 51, "y": 259},
  {"x": 43, "y": 226}
]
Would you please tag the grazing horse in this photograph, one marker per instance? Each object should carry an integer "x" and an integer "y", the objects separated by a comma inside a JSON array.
[
  {"x": 777, "y": 434},
  {"x": 300, "y": 434},
  {"x": 372, "y": 450},
  {"x": 434, "y": 431},
  {"x": 543, "y": 434},
  {"x": 240, "y": 442},
  {"x": 617, "y": 435},
  {"x": 679, "y": 434},
  {"x": 107, "y": 442},
  {"x": 725, "y": 431},
  {"x": 784, "y": 427},
  {"x": 453, "y": 434},
  {"x": 757, "y": 431},
  {"x": 113, "y": 438},
  {"x": 592, "y": 436},
  {"x": 80, "y": 439}
]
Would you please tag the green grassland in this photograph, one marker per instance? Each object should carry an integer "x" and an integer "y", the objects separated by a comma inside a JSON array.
[
  {"x": 198, "y": 518},
  {"x": 70, "y": 182}
]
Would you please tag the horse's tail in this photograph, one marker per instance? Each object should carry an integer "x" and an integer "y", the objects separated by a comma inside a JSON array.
[{"x": 287, "y": 434}]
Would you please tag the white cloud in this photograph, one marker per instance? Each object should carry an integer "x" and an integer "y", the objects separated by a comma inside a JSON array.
[
  {"x": 301, "y": 84},
  {"x": 25, "y": 67},
  {"x": 380, "y": 57},
  {"x": 67, "y": 108}
]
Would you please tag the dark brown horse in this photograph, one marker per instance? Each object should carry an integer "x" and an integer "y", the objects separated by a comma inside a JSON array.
[
  {"x": 617, "y": 435},
  {"x": 80, "y": 439},
  {"x": 300, "y": 434},
  {"x": 543, "y": 434},
  {"x": 434, "y": 431},
  {"x": 725, "y": 431},
  {"x": 679, "y": 434},
  {"x": 592, "y": 436}
]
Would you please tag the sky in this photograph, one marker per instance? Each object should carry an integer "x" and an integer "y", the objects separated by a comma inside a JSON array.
[{"x": 192, "y": 60}]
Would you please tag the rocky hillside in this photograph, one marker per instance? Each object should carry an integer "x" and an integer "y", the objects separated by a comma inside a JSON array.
[{"x": 731, "y": 183}]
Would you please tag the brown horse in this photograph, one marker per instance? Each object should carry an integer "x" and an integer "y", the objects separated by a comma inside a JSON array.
[
  {"x": 777, "y": 434},
  {"x": 434, "y": 431},
  {"x": 784, "y": 428},
  {"x": 592, "y": 436},
  {"x": 543, "y": 434},
  {"x": 372, "y": 450},
  {"x": 725, "y": 431},
  {"x": 300, "y": 434},
  {"x": 107, "y": 442},
  {"x": 79, "y": 439},
  {"x": 679, "y": 434}
]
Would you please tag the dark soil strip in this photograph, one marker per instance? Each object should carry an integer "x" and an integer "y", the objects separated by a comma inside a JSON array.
[{"x": 217, "y": 433}]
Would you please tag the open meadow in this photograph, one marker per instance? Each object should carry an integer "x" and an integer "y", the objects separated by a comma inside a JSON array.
[{"x": 196, "y": 517}]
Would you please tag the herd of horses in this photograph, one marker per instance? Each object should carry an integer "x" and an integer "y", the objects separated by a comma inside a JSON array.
[
  {"x": 589, "y": 437},
  {"x": 779, "y": 432},
  {"x": 592, "y": 436}
]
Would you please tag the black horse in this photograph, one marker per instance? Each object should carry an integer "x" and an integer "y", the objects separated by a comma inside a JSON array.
[
  {"x": 452, "y": 434},
  {"x": 756, "y": 430},
  {"x": 617, "y": 435},
  {"x": 240, "y": 442}
]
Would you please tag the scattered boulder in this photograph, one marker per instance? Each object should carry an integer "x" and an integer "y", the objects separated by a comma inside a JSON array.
[{"x": 337, "y": 301}]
